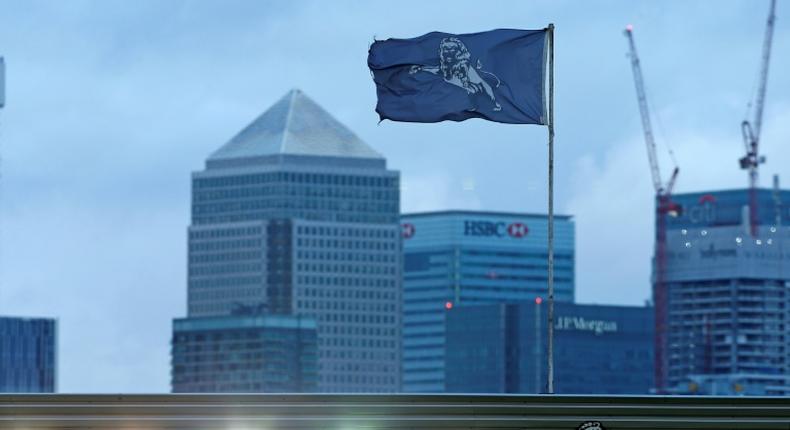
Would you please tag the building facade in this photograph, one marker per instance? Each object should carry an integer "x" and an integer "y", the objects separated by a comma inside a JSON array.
[
  {"x": 28, "y": 355},
  {"x": 244, "y": 354},
  {"x": 469, "y": 257},
  {"x": 728, "y": 295},
  {"x": 502, "y": 349},
  {"x": 297, "y": 216}
]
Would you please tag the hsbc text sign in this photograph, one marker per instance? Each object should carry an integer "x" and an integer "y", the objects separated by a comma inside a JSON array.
[{"x": 515, "y": 230}]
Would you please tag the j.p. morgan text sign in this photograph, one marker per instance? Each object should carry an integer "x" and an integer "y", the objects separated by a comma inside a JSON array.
[{"x": 583, "y": 324}]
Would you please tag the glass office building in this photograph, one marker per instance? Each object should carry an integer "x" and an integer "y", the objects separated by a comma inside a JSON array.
[
  {"x": 295, "y": 215},
  {"x": 502, "y": 349},
  {"x": 469, "y": 257},
  {"x": 244, "y": 354},
  {"x": 728, "y": 295},
  {"x": 28, "y": 354}
]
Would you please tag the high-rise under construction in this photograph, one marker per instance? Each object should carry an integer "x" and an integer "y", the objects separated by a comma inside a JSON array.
[{"x": 727, "y": 294}]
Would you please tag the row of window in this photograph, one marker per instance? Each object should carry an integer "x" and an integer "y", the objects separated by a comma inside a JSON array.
[
  {"x": 346, "y": 232},
  {"x": 359, "y": 318},
  {"x": 343, "y": 294},
  {"x": 363, "y": 330},
  {"x": 10, "y": 326},
  {"x": 225, "y": 232},
  {"x": 225, "y": 256},
  {"x": 195, "y": 373},
  {"x": 297, "y": 177},
  {"x": 355, "y": 342},
  {"x": 385, "y": 282},
  {"x": 375, "y": 245},
  {"x": 368, "y": 256},
  {"x": 370, "y": 269},
  {"x": 224, "y": 269},
  {"x": 355, "y": 354},
  {"x": 377, "y": 260},
  {"x": 294, "y": 191},
  {"x": 225, "y": 294},
  {"x": 356, "y": 378},
  {"x": 338, "y": 305},
  {"x": 17, "y": 381},
  {"x": 360, "y": 366},
  {"x": 308, "y": 215},
  {"x": 503, "y": 277},
  {"x": 225, "y": 282},
  {"x": 512, "y": 254},
  {"x": 218, "y": 245},
  {"x": 541, "y": 265},
  {"x": 209, "y": 307},
  {"x": 289, "y": 203}
]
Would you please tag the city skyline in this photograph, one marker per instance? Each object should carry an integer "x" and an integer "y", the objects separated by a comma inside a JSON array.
[{"x": 103, "y": 123}]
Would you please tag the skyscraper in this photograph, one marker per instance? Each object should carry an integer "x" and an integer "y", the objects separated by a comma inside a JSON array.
[
  {"x": 728, "y": 295},
  {"x": 471, "y": 257},
  {"x": 28, "y": 355},
  {"x": 295, "y": 215}
]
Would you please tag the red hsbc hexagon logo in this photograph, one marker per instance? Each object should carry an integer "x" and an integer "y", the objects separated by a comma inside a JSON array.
[
  {"x": 407, "y": 230},
  {"x": 517, "y": 230}
]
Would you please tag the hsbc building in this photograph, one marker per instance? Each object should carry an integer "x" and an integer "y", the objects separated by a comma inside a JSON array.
[{"x": 466, "y": 257}]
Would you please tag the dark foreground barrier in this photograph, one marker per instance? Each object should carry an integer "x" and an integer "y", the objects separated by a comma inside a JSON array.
[{"x": 351, "y": 412}]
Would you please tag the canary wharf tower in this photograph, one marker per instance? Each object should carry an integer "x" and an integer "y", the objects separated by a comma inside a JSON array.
[{"x": 295, "y": 215}]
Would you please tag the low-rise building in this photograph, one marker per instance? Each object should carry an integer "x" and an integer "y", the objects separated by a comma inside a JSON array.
[
  {"x": 28, "y": 355},
  {"x": 244, "y": 354},
  {"x": 598, "y": 349}
]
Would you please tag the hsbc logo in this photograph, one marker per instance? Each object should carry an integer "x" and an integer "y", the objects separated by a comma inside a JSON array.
[
  {"x": 515, "y": 230},
  {"x": 407, "y": 230}
]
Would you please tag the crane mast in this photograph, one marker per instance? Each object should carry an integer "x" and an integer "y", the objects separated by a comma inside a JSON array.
[
  {"x": 751, "y": 130},
  {"x": 664, "y": 207},
  {"x": 644, "y": 112}
]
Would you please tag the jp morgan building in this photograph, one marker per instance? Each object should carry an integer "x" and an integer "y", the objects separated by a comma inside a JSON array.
[
  {"x": 455, "y": 258},
  {"x": 598, "y": 349}
]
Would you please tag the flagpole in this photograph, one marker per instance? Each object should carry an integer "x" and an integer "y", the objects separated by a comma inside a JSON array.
[{"x": 551, "y": 213}]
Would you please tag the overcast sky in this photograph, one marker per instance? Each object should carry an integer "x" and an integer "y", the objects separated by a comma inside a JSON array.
[{"x": 111, "y": 105}]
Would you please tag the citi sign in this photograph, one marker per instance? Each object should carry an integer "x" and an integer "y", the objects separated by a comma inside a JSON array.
[{"x": 515, "y": 230}]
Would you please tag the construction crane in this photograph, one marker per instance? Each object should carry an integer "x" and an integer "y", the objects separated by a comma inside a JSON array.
[
  {"x": 751, "y": 130},
  {"x": 664, "y": 207}
]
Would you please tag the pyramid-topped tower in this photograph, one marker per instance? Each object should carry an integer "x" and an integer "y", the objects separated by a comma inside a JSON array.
[
  {"x": 295, "y": 125},
  {"x": 296, "y": 217}
]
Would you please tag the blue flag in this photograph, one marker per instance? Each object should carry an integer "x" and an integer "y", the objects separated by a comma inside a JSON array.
[{"x": 496, "y": 75}]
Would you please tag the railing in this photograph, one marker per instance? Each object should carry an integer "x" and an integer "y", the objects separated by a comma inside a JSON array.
[{"x": 351, "y": 412}]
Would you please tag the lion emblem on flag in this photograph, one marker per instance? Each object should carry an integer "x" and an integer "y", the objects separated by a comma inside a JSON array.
[{"x": 455, "y": 66}]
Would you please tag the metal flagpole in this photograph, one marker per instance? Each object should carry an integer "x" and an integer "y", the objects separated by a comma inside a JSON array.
[{"x": 551, "y": 213}]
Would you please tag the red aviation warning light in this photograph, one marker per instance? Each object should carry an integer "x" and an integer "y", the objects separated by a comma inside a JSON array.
[
  {"x": 538, "y": 300},
  {"x": 448, "y": 305}
]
